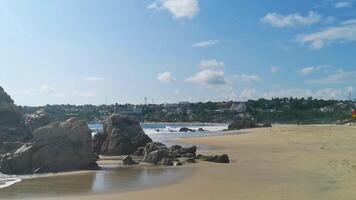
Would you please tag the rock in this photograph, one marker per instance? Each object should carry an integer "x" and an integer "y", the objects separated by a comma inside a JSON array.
[
  {"x": 185, "y": 129},
  {"x": 139, "y": 151},
  {"x": 123, "y": 135},
  {"x": 201, "y": 130},
  {"x": 187, "y": 160},
  {"x": 158, "y": 153},
  {"x": 36, "y": 120},
  {"x": 11, "y": 128},
  {"x": 188, "y": 150},
  {"x": 127, "y": 160},
  {"x": 266, "y": 125},
  {"x": 166, "y": 162},
  {"x": 154, "y": 157},
  {"x": 59, "y": 146},
  {"x": 243, "y": 123},
  {"x": 98, "y": 141},
  {"x": 219, "y": 159}
]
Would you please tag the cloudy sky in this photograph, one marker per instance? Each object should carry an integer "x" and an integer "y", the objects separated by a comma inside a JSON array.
[{"x": 80, "y": 52}]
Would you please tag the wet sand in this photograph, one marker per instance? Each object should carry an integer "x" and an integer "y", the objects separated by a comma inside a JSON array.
[{"x": 279, "y": 163}]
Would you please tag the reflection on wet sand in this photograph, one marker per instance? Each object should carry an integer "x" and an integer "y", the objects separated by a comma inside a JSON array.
[{"x": 109, "y": 180}]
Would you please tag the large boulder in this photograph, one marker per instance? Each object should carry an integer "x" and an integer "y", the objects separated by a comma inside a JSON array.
[
  {"x": 123, "y": 135},
  {"x": 243, "y": 122},
  {"x": 59, "y": 146},
  {"x": 12, "y": 132},
  {"x": 98, "y": 140},
  {"x": 36, "y": 120}
]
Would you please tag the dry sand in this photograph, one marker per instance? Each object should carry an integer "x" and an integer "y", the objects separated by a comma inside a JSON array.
[{"x": 279, "y": 163}]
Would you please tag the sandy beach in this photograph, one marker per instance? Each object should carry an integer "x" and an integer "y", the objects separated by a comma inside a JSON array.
[{"x": 283, "y": 162}]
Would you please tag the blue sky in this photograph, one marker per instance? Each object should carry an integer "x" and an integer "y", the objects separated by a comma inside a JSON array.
[{"x": 82, "y": 51}]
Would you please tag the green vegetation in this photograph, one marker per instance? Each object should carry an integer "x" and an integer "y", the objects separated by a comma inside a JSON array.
[{"x": 277, "y": 110}]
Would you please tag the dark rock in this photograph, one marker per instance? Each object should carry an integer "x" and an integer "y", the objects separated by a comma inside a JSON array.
[
  {"x": 123, "y": 135},
  {"x": 185, "y": 129},
  {"x": 154, "y": 157},
  {"x": 201, "y": 130},
  {"x": 166, "y": 161},
  {"x": 189, "y": 155},
  {"x": 266, "y": 125},
  {"x": 190, "y": 150},
  {"x": 98, "y": 140},
  {"x": 243, "y": 123},
  {"x": 219, "y": 159},
  {"x": 11, "y": 128},
  {"x": 139, "y": 151},
  {"x": 127, "y": 160},
  {"x": 54, "y": 148},
  {"x": 36, "y": 120}
]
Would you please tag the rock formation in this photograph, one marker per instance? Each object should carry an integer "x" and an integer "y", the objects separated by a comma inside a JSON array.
[
  {"x": 36, "y": 120},
  {"x": 12, "y": 132},
  {"x": 59, "y": 146},
  {"x": 158, "y": 154},
  {"x": 122, "y": 135}
]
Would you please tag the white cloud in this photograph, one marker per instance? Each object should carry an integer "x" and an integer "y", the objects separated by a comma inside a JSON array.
[
  {"x": 92, "y": 79},
  {"x": 344, "y": 32},
  {"x": 274, "y": 70},
  {"x": 211, "y": 64},
  {"x": 178, "y": 8},
  {"x": 247, "y": 78},
  {"x": 291, "y": 20},
  {"x": 166, "y": 77},
  {"x": 343, "y": 4},
  {"x": 52, "y": 91},
  {"x": 205, "y": 44},
  {"x": 307, "y": 70},
  {"x": 338, "y": 77},
  {"x": 85, "y": 94},
  {"x": 208, "y": 77},
  {"x": 324, "y": 93}
]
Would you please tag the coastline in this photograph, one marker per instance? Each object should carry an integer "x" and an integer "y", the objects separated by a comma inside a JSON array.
[
  {"x": 305, "y": 162},
  {"x": 283, "y": 162}
]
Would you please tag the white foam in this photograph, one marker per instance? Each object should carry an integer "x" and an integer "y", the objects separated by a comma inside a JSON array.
[{"x": 6, "y": 181}]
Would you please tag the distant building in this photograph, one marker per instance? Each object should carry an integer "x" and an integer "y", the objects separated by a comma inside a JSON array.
[
  {"x": 327, "y": 109},
  {"x": 238, "y": 107}
]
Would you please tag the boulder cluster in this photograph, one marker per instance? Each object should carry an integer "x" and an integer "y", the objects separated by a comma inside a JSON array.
[
  {"x": 32, "y": 144},
  {"x": 122, "y": 135},
  {"x": 59, "y": 146}
]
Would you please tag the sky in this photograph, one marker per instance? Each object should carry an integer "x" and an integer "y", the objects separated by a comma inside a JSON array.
[{"x": 90, "y": 52}]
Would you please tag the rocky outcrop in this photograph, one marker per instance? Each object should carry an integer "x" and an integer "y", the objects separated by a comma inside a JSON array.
[
  {"x": 123, "y": 136},
  {"x": 158, "y": 154},
  {"x": 36, "y": 120},
  {"x": 217, "y": 158},
  {"x": 98, "y": 140},
  {"x": 185, "y": 129},
  {"x": 59, "y": 146},
  {"x": 246, "y": 121},
  {"x": 127, "y": 160},
  {"x": 243, "y": 124},
  {"x": 12, "y": 132}
]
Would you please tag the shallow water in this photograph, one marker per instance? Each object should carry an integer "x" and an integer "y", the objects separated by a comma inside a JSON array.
[{"x": 115, "y": 180}]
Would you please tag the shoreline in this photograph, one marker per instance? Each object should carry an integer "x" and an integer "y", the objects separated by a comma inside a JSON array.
[{"x": 307, "y": 162}]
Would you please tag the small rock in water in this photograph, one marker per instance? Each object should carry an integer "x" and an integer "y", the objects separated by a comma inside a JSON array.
[
  {"x": 219, "y": 159},
  {"x": 127, "y": 160}
]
